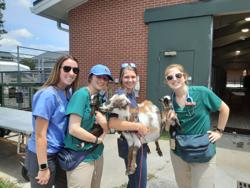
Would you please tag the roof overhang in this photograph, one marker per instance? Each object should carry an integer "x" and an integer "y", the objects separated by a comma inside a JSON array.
[{"x": 55, "y": 9}]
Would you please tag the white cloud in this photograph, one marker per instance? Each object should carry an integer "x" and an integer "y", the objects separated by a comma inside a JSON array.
[
  {"x": 24, "y": 33},
  {"x": 9, "y": 42},
  {"x": 25, "y": 3}
]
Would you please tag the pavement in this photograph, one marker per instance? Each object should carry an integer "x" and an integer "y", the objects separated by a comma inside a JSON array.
[{"x": 233, "y": 164}]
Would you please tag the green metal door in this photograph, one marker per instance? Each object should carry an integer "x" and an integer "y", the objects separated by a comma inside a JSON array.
[{"x": 183, "y": 41}]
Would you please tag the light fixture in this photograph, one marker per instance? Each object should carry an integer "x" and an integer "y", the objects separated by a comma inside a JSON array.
[
  {"x": 245, "y": 30},
  {"x": 247, "y": 19},
  {"x": 237, "y": 52}
]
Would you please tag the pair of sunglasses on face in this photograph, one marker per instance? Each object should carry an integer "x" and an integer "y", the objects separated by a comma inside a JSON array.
[
  {"x": 124, "y": 65},
  {"x": 67, "y": 69},
  {"x": 171, "y": 77}
]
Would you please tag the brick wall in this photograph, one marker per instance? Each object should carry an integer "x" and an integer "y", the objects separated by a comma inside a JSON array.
[{"x": 110, "y": 32}]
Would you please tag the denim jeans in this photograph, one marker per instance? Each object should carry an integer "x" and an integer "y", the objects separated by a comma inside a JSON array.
[{"x": 139, "y": 178}]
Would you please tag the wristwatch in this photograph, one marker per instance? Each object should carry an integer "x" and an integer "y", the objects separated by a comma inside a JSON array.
[
  {"x": 219, "y": 130},
  {"x": 43, "y": 166}
]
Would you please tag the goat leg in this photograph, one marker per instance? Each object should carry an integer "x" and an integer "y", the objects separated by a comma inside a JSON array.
[
  {"x": 158, "y": 149},
  {"x": 133, "y": 161},
  {"x": 130, "y": 155}
]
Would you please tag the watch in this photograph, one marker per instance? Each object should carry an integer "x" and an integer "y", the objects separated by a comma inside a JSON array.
[{"x": 43, "y": 166}]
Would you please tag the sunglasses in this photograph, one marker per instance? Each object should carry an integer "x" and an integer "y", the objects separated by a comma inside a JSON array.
[
  {"x": 76, "y": 70},
  {"x": 171, "y": 77},
  {"x": 105, "y": 78},
  {"x": 124, "y": 65}
]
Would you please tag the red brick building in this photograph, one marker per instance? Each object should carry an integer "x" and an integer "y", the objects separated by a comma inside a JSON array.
[{"x": 110, "y": 32}]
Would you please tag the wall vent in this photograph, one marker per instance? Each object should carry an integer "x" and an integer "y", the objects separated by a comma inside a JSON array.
[{"x": 241, "y": 184}]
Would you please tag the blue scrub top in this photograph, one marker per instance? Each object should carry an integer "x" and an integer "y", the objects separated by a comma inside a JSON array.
[{"x": 50, "y": 103}]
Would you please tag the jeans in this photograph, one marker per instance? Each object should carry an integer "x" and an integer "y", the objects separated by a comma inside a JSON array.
[
  {"x": 139, "y": 178},
  {"x": 57, "y": 175}
]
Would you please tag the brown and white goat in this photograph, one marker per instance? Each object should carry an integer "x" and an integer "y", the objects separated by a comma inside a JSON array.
[
  {"x": 147, "y": 113},
  {"x": 167, "y": 106}
]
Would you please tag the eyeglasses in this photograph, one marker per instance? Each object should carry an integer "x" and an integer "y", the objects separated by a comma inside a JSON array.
[
  {"x": 76, "y": 70},
  {"x": 105, "y": 78},
  {"x": 171, "y": 77},
  {"x": 124, "y": 65}
]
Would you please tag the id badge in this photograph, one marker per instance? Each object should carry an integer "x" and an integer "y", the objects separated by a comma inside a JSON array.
[{"x": 172, "y": 144}]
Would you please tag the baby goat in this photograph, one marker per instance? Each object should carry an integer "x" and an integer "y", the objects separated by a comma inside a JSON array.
[
  {"x": 167, "y": 106},
  {"x": 146, "y": 113},
  {"x": 174, "y": 124}
]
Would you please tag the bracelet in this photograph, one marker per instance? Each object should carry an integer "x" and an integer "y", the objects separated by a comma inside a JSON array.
[
  {"x": 219, "y": 130},
  {"x": 96, "y": 140}
]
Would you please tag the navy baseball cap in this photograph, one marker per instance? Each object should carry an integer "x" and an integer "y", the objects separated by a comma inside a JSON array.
[{"x": 100, "y": 69}]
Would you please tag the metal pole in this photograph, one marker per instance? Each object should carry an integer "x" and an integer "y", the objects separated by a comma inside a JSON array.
[{"x": 18, "y": 73}]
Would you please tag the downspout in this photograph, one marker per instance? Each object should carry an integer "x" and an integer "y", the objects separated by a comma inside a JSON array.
[{"x": 59, "y": 26}]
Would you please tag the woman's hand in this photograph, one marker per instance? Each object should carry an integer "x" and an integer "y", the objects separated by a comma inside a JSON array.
[
  {"x": 43, "y": 176},
  {"x": 170, "y": 115},
  {"x": 101, "y": 138},
  {"x": 214, "y": 136},
  {"x": 102, "y": 121},
  {"x": 142, "y": 129}
]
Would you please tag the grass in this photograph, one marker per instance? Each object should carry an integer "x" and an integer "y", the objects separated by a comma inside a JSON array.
[{"x": 4, "y": 183}]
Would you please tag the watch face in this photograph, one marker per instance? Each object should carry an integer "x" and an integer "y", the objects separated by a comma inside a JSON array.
[{"x": 43, "y": 166}]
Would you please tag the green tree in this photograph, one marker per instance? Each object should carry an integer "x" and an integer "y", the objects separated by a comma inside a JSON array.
[
  {"x": 2, "y": 7},
  {"x": 31, "y": 63}
]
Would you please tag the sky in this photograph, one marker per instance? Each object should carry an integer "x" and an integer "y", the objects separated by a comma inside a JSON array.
[{"x": 30, "y": 30}]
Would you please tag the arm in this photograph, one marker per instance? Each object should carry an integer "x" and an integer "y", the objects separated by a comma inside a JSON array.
[
  {"x": 41, "y": 149},
  {"x": 122, "y": 125},
  {"x": 223, "y": 116},
  {"x": 77, "y": 131},
  {"x": 222, "y": 120}
]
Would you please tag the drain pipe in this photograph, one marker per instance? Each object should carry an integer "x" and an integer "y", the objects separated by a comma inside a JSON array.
[{"x": 59, "y": 26}]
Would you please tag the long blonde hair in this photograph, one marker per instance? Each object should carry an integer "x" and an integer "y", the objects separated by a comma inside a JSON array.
[{"x": 54, "y": 76}]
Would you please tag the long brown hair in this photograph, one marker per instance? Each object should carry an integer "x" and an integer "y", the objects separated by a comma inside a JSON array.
[
  {"x": 122, "y": 70},
  {"x": 54, "y": 76}
]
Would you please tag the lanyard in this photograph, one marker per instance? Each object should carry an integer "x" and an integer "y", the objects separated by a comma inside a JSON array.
[{"x": 189, "y": 104}]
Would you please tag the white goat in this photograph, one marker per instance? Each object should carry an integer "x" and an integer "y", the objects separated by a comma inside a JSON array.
[{"x": 146, "y": 113}]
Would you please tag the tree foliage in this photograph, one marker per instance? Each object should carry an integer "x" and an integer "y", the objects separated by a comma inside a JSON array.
[
  {"x": 31, "y": 63},
  {"x": 2, "y": 7}
]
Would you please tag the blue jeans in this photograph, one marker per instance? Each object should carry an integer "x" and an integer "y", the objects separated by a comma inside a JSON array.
[{"x": 139, "y": 178}]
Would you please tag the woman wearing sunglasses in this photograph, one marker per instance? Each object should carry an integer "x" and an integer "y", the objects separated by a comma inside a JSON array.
[
  {"x": 128, "y": 73},
  {"x": 50, "y": 124},
  {"x": 193, "y": 105},
  {"x": 82, "y": 118}
]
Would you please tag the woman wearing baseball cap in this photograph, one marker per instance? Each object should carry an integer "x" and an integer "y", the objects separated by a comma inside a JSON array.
[{"x": 82, "y": 118}]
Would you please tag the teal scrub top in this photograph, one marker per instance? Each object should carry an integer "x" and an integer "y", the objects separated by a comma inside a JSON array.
[
  {"x": 79, "y": 104},
  {"x": 194, "y": 117}
]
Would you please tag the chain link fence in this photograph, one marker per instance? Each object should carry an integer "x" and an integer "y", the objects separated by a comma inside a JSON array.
[{"x": 22, "y": 73}]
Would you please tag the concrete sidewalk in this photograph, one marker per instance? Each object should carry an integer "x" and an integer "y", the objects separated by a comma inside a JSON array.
[{"x": 233, "y": 163}]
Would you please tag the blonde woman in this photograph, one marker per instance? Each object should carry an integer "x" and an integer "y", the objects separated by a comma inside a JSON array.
[{"x": 193, "y": 105}]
